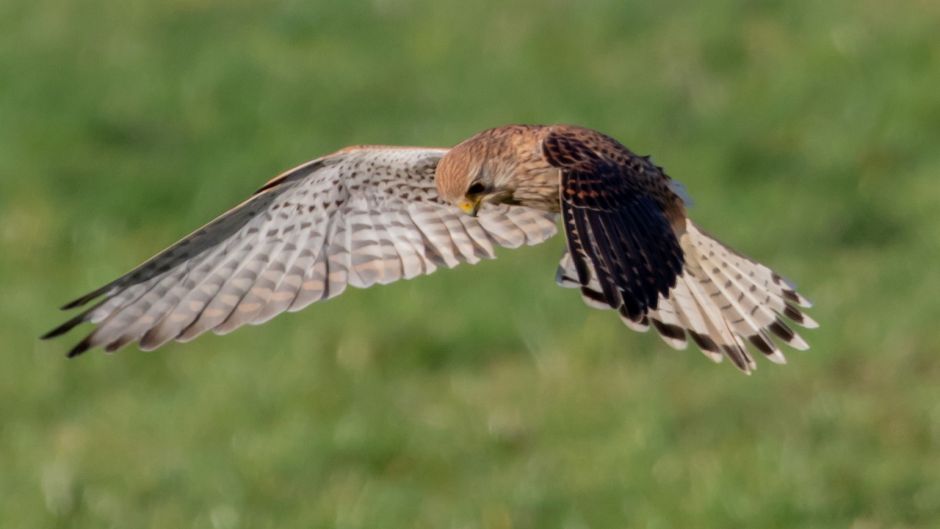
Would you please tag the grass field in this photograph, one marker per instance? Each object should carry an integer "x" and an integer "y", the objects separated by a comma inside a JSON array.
[{"x": 808, "y": 133}]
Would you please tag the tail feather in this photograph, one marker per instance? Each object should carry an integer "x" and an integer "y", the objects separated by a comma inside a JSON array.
[
  {"x": 722, "y": 301},
  {"x": 738, "y": 310},
  {"x": 693, "y": 319},
  {"x": 765, "y": 279},
  {"x": 719, "y": 334},
  {"x": 666, "y": 320},
  {"x": 752, "y": 299}
]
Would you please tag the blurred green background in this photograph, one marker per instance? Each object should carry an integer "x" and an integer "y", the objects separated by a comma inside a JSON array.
[{"x": 484, "y": 396}]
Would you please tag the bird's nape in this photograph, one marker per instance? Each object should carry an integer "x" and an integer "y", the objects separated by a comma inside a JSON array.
[{"x": 370, "y": 215}]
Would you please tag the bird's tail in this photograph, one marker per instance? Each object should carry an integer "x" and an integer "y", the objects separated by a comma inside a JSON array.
[{"x": 722, "y": 301}]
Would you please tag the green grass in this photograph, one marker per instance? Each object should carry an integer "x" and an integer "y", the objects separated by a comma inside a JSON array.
[{"x": 484, "y": 396}]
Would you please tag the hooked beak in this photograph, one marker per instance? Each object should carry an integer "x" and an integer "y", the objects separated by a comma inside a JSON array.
[{"x": 470, "y": 206}]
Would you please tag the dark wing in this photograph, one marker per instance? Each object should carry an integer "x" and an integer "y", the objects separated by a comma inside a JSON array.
[
  {"x": 631, "y": 248},
  {"x": 615, "y": 222},
  {"x": 362, "y": 216}
]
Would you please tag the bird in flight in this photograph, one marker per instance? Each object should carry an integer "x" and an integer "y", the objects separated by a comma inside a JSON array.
[{"x": 376, "y": 214}]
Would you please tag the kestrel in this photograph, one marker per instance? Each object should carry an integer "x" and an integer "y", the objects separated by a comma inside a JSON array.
[{"x": 375, "y": 214}]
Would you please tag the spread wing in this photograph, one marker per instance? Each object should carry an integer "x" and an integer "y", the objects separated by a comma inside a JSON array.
[
  {"x": 615, "y": 223},
  {"x": 361, "y": 216}
]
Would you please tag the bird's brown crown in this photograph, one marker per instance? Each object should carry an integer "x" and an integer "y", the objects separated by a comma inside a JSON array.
[
  {"x": 505, "y": 163},
  {"x": 457, "y": 169}
]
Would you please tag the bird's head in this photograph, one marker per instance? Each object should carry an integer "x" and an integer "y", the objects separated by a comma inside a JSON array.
[{"x": 467, "y": 178}]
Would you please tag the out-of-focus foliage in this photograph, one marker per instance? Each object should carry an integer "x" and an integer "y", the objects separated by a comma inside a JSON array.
[{"x": 808, "y": 133}]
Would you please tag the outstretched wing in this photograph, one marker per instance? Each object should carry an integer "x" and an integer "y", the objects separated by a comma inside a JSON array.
[
  {"x": 361, "y": 216},
  {"x": 616, "y": 224}
]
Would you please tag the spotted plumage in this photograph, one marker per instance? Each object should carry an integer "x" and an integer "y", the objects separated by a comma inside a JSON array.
[{"x": 370, "y": 215}]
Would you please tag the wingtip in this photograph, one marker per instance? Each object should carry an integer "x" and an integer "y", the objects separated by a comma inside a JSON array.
[
  {"x": 79, "y": 348},
  {"x": 52, "y": 334},
  {"x": 64, "y": 328},
  {"x": 75, "y": 303}
]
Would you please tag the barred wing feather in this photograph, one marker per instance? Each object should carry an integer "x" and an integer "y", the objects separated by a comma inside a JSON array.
[{"x": 361, "y": 216}]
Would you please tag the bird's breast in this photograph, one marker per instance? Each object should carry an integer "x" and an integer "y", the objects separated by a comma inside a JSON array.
[{"x": 538, "y": 188}]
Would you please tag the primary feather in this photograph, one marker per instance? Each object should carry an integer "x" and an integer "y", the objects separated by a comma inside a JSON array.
[
  {"x": 374, "y": 215},
  {"x": 359, "y": 217}
]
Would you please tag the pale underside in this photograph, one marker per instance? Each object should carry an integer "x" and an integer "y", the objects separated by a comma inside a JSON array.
[
  {"x": 372, "y": 215},
  {"x": 359, "y": 217}
]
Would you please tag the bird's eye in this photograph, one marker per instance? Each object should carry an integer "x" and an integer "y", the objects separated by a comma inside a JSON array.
[{"x": 476, "y": 189}]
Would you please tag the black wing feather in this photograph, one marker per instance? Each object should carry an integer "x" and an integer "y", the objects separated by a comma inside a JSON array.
[{"x": 615, "y": 225}]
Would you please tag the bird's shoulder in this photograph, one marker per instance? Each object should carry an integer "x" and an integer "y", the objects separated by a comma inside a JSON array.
[
  {"x": 603, "y": 160},
  {"x": 573, "y": 145}
]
